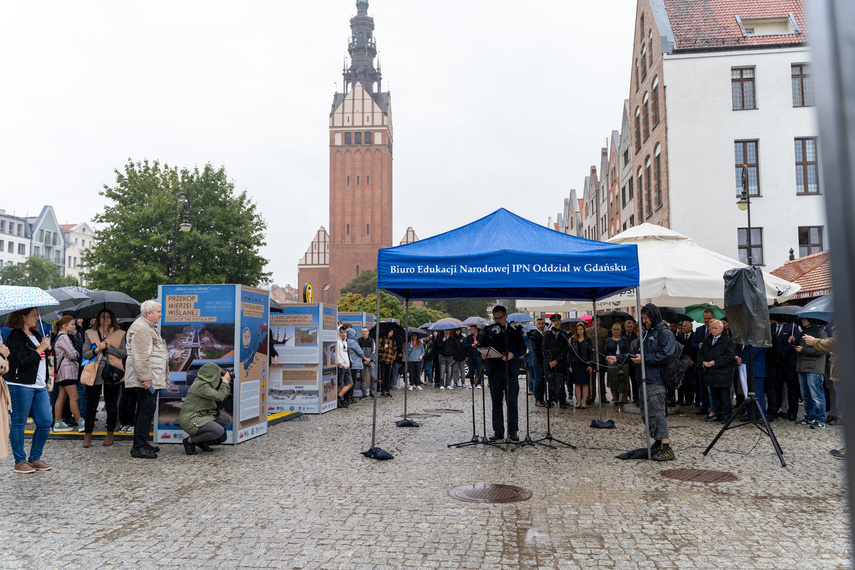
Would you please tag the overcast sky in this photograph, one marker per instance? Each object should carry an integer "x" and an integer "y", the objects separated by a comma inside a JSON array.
[{"x": 495, "y": 104}]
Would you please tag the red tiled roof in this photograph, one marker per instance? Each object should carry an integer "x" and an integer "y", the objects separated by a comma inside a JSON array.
[
  {"x": 812, "y": 272},
  {"x": 711, "y": 24},
  {"x": 66, "y": 227},
  {"x": 581, "y": 200}
]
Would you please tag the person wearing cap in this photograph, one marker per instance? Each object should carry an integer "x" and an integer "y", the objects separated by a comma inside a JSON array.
[
  {"x": 660, "y": 345},
  {"x": 555, "y": 351}
]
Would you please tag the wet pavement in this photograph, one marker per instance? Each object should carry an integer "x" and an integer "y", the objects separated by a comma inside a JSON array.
[{"x": 302, "y": 496}]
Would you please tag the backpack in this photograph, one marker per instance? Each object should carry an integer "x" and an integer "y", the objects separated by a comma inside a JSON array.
[{"x": 674, "y": 372}]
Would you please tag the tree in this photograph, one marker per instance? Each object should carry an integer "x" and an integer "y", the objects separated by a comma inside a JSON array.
[
  {"x": 35, "y": 272},
  {"x": 133, "y": 251},
  {"x": 363, "y": 284},
  {"x": 390, "y": 308},
  {"x": 463, "y": 308}
]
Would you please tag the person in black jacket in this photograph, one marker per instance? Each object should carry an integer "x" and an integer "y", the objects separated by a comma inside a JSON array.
[
  {"x": 617, "y": 376},
  {"x": 458, "y": 365},
  {"x": 717, "y": 355},
  {"x": 659, "y": 347},
  {"x": 473, "y": 342},
  {"x": 27, "y": 377},
  {"x": 536, "y": 338},
  {"x": 555, "y": 349},
  {"x": 504, "y": 374}
]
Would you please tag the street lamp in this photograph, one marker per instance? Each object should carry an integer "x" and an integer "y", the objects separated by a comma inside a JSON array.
[
  {"x": 744, "y": 204},
  {"x": 186, "y": 226}
]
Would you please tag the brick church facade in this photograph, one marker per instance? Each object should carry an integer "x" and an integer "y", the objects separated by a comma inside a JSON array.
[{"x": 360, "y": 218}]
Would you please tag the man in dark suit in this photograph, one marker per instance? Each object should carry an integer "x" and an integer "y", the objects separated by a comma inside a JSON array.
[
  {"x": 688, "y": 388},
  {"x": 536, "y": 338},
  {"x": 786, "y": 376},
  {"x": 555, "y": 350},
  {"x": 504, "y": 374},
  {"x": 697, "y": 340}
]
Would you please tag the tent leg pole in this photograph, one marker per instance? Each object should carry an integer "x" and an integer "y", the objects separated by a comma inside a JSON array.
[
  {"x": 643, "y": 371},
  {"x": 375, "y": 381},
  {"x": 597, "y": 378},
  {"x": 406, "y": 362}
]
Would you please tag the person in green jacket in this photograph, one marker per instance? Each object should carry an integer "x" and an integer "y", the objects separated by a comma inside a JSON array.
[{"x": 199, "y": 416}]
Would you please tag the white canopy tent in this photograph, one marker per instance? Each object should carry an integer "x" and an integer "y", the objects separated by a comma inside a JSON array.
[{"x": 674, "y": 272}]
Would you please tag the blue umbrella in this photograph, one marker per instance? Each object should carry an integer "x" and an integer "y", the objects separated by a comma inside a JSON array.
[
  {"x": 443, "y": 326},
  {"x": 519, "y": 318},
  {"x": 822, "y": 309}
]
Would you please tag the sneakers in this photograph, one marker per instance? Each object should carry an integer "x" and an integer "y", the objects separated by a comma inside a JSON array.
[
  {"x": 442, "y": 387},
  {"x": 81, "y": 425},
  {"x": 130, "y": 430},
  {"x": 450, "y": 387},
  {"x": 654, "y": 449},
  {"x": 804, "y": 422},
  {"x": 410, "y": 389},
  {"x": 817, "y": 425},
  {"x": 838, "y": 453},
  {"x": 664, "y": 454},
  {"x": 418, "y": 387},
  {"x": 60, "y": 426},
  {"x": 40, "y": 465},
  {"x": 24, "y": 467}
]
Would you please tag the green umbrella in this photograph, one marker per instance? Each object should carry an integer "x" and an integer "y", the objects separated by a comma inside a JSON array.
[{"x": 696, "y": 312}]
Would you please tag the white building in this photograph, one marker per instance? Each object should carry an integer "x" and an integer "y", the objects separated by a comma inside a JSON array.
[
  {"x": 32, "y": 236},
  {"x": 738, "y": 92},
  {"x": 79, "y": 239},
  {"x": 14, "y": 239}
]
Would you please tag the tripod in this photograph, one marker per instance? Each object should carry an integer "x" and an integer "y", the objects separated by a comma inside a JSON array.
[
  {"x": 527, "y": 440},
  {"x": 476, "y": 440},
  {"x": 752, "y": 403},
  {"x": 548, "y": 437}
]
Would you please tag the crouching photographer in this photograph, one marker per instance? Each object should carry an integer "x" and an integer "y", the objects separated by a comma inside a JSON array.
[{"x": 200, "y": 416}]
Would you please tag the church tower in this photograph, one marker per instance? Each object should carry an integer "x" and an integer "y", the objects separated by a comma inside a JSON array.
[{"x": 360, "y": 168}]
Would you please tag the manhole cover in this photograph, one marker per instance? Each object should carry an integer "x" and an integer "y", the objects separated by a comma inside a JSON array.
[
  {"x": 445, "y": 411},
  {"x": 421, "y": 416},
  {"x": 700, "y": 475},
  {"x": 487, "y": 493}
]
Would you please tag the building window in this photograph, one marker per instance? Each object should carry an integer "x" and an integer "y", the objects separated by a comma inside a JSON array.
[
  {"x": 802, "y": 86},
  {"x": 631, "y": 220},
  {"x": 807, "y": 175},
  {"x": 20, "y": 229},
  {"x": 367, "y": 229},
  {"x": 654, "y": 105},
  {"x": 348, "y": 229},
  {"x": 810, "y": 240},
  {"x": 42, "y": 235},
  {"x": 756, "y": 245},
  {"x": 357, "y": 138},
  {"x": 637, "y": 129},
  {"x": 637, "y": 82},
  {"x": 645, "y": 118},
  {"x": 643, "y": 62},
  {"x": 357, "y": 271},
  {"x": 347, "y": 138},
  {"x": 640, "y": 201},
  {"x": 623, "y": 197},
  {"x": 657, "y": 174},
  {"x": 37, "y": 252},
  {"x": 368, "y": 137},
  {"x": 626, "y": 157},
  {"x": 357, "y": 180},
  {"x": 630, "y": 189},
  {"x": 742, "y": 88},
  {"x": 648, "y": 192},
  {"x": 367, "y": 179},
  {"x": 11, "y": 248},
  {"x": 2, "y": 225},
  {"x": 745, "y": 154},
  {"x": 22, "y": 249}
]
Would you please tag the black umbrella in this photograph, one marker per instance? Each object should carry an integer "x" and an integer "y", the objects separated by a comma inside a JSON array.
[
  {"x": 673, "y": 314},
  {"x": 68, "y": 297},
  {"x": 569, "y": 323},
  {"x": 413, "y": 330},
  {"x": 121, "y": 305},
  {"x": 399, "y": 336},
  {"x": 610, "y": 317},
  {"x": 785, "y": 313}
]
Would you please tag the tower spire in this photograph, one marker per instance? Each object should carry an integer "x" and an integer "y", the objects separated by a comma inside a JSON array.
[{"x": 362, "y": 49}]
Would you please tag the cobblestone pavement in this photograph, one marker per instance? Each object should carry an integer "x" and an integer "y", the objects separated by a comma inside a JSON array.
[{"x": 303, "y": 496}]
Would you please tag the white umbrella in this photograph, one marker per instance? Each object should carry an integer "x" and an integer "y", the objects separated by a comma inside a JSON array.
[
  {"x": 674, "y": 271},
  {"x": 14, "y": 298}
]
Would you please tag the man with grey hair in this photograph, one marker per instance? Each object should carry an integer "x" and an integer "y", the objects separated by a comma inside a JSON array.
[{"x": 146, "y": 372}]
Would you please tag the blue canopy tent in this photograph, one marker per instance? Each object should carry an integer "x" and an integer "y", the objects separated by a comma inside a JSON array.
[{"x": 505, "y": 256}]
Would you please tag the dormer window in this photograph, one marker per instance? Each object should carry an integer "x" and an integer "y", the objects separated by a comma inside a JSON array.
[{"x": 768, "y": 26}]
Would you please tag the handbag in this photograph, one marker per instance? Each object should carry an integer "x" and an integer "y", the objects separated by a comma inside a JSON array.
[{"x": 111, "y": 374}]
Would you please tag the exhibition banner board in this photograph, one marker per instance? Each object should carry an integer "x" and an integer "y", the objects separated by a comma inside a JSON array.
[
  {"x": 304, "y": 380},
  {"x": 224, "y": 324},
  {"x": 357, "y": 320}
]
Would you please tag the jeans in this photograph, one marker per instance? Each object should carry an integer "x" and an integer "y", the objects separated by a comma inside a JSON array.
[
  {"x": 537, "y": 374},
  {"x": 26, "y": 402},
  {"x": 457, "y": 369},
  {"x": 445, "y": 363},
  {"x": 428, "y": 371},
  {"x": 813, "y": 396},
  {"x": 144, "y": 418},
  {"x": 475, "y": 363},
  {"x": 214, "y": 429},
  {"x": 414, "y": 373}
]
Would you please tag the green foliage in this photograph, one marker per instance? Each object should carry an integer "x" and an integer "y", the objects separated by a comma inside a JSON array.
[
  {"x": 35, "y": 272},
  {"x": 363, "y": 284},
  {"x": 390, "y": 308},
  {"x": 133, "y": 251},
  {"x": 464, "y": 308}
]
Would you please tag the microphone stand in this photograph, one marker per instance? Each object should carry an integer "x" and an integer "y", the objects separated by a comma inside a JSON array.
[
  {"x": 548, "y": 437},
  {"x": 475, "y": 440}
]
